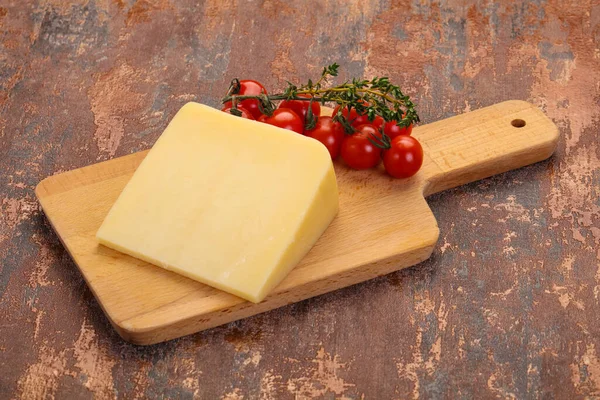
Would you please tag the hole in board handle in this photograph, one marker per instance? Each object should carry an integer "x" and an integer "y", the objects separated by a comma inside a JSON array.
[{"x": 518, "y": 123}]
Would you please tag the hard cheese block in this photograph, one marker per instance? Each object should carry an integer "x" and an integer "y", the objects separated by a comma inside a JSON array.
[{"x": 229, "y": 202}]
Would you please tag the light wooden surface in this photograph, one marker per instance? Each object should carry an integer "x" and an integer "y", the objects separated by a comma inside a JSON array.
[{"x": 384, "y": 225}]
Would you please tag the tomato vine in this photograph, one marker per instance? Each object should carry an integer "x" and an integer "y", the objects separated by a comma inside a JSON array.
[{"x": 370, "y": 97}]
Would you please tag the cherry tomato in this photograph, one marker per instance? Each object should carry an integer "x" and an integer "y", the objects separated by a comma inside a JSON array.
[
  {"x": 357, "y": 119},
  {"x": 363, "y": 119},
  {"x": 358, "y": 151},
  {"x": 353, "y": 113},
  {"x": 245, "y": 113},
  {"x": 249, "y": 87},
  {"x": 300, "y": 107},
  {"x": 404, "y": 158},
  {"x": 392, "y": 130},
  {"x": 284, "y": 118},
  {"x": 328, "y": 132}
]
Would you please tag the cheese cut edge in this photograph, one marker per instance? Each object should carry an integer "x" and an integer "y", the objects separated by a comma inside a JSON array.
[{"x": 319, "y": 215}]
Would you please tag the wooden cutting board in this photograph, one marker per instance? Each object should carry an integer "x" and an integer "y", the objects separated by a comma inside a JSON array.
[{"x": 384, "y": 225}]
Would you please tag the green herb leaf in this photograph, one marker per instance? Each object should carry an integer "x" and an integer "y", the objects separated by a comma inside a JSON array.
[{"x": 235, "y": 111}]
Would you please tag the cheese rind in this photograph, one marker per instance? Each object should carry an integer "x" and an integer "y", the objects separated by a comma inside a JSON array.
[{"x": 230, "y": 202}]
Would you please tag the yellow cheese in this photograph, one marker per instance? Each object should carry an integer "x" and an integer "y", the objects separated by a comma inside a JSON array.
[{"x": 229, "y": 202}]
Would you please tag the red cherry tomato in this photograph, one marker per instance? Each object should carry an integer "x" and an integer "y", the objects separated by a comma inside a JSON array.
[
  {"x": 358, "y": 151},
  {"x": 404, "y": 158},
  {"x": 353, "y": 113},
  {"x": 245, "y": 113},
  {"x": 328, "y": 132},
  {"x": 363, "y": 119},
  {"x": 357, "y": 119},
  {"x": 392, "y": 130},
  {"x": 284, "y": 118},
  {"x": 300, "y": 107},
  {"x": 249, "y": 87}
]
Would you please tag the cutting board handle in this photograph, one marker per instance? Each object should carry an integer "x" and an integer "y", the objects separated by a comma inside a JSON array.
[{"x": 482, "y": 143}]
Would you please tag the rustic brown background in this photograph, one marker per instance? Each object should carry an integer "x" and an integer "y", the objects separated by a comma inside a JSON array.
[{"x": 508, "y": 304}]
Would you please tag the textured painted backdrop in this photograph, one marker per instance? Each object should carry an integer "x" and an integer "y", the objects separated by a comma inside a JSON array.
[{"x": 508, "y": 304}]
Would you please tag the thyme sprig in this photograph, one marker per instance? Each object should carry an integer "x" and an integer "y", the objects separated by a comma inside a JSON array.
[{"x": 377, "y": 96}]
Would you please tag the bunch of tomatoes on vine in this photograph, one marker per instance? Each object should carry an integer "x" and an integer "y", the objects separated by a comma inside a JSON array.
[{"x": 372, "y": 119}]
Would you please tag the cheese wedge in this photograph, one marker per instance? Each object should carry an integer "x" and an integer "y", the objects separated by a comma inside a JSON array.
[{"x": 229, "y": 202}]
